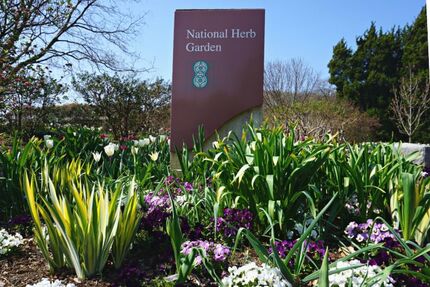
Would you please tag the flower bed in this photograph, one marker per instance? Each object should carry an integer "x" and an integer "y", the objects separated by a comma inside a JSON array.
[{"x": 258, "y": 210}]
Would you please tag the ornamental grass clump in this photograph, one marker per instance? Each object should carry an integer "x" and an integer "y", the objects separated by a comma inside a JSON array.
[{"x": 84, "y": 223}]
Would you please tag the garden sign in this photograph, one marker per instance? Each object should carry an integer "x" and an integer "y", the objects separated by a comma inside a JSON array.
[{"x": 218, "y": 64}]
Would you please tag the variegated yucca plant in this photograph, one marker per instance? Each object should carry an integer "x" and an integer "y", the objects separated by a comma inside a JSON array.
[
  {"x": 80, "y": 225},
  {"x": 410, "y": 206}
]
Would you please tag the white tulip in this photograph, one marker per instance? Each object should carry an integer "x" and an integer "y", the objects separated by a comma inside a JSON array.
[
  {"x": 109, "y": 149},
  {"x": 163, "y": 138},
  {"x": 154, "y": 156},
  {"x": 116, "y": 147},
  {"x": 152, "y": 139},
  {"x": 144, "y": 142},
  {"x": 46, "y": 137},
  {"x": 49, "y": 143},
  {"x": 215, "y": 144},
  {"x": 97, "y": 156},
  {"x": 134, "y": 150}
]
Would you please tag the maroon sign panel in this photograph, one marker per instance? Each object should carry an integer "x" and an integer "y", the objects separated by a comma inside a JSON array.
[{"x": 218, "y": 64}]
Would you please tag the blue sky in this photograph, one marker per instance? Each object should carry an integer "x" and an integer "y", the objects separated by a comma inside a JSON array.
[{"x": 307, "y": 29}]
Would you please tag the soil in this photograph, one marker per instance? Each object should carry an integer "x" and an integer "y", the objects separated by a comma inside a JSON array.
[
  {"x": 27, "y": 266},
  {"x": 148, "y": 261}
]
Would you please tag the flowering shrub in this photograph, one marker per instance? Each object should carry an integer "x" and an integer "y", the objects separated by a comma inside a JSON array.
[
  {"x": 251, "y": 275},
  {"x": 234, "y": 219},
  {"x": 47, "y": 283},
  {"x": 360, "y": 232},
  {"x": 9, "y": 242},
  {"x": 357, "y": 277},
  {"x": 216, "y": 251}
]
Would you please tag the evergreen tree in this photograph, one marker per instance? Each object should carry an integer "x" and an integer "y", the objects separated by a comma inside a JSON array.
[
  {"x": 369, "y": 75},
  {"x": 339, "y": 67},
  {"x": 415, "y": 58}
]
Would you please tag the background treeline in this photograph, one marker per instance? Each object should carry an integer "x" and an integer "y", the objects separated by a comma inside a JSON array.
[
  {"x": 377, "y": 90},
  {"x": 357, "y": 101},
  {"x": 122, "y": 105},
  {"x": 372, "y": 73}
]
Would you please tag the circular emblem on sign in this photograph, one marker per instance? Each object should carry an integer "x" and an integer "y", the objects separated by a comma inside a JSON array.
[{"x": 200, "y": 79}]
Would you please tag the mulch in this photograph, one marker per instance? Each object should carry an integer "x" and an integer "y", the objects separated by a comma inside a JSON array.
[{"x": 27, "y": 266}]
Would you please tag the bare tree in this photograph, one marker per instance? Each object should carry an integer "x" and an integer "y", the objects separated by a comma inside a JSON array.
[
  {"x": 62, "y": 32},
  {"x": 409, "y": 104},
  {"x": 288, "y": 81}
]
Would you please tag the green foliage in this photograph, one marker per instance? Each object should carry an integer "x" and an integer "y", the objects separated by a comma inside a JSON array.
[
  {"x": 324, "y": 272},
  {"x": 185, "y": 263},
  {"x": 81, "y": 231},
  {"x": 366, "y": 171},
  {"x": 133, "y": 161},
  {"x": 85, "y": 208},
  {"x": 291, "y": 273},
  {"x": 128, "y": 222},
  {"x": 270, "y": 171},
  {"x": 410, "y": 206}
]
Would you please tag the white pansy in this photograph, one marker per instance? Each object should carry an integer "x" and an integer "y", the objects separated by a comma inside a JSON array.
[
  {"x": 97, "y": 156},
  {"x": 357, "y": 276},
  {"x": 253, "y": 275},
  {"x": 47, "y": 283},
  {"x": 49, "y": 143},
  {"x": 109, "y": 149},
  {"x": 8, "y": 241}
]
